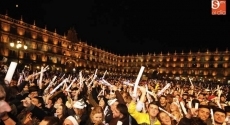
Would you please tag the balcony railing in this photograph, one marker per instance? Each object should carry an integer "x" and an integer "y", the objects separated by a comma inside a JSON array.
[{"x": 28, "y": 25}]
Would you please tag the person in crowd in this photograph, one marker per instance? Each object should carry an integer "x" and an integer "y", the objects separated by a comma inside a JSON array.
[
  {"x": 165, "y": 119},
  {"x": 50, "y": 120},
  {"x": 96, "y": 101},
  {"x": 196, "y": 116},
  {"x": 163, "y": 103},
  {"x": 149, "y": 118},
  {"x": 219, "y": 116},
  {"x": 122, "y": 116},
  {"x": 70, "y": 120},
  {"x": 5, "y": 118},
  {"x": 175, "y": 111},
  {"x": 79, "y": 112},
  {"x": 96, "y": 116},
  {"x": 61, "y": 112}
]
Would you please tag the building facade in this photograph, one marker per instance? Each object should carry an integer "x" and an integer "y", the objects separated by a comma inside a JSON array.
[{"x": 65, "y": 53}]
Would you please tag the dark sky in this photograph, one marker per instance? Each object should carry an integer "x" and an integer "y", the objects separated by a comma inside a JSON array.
[{"x": 130, "y": 26}]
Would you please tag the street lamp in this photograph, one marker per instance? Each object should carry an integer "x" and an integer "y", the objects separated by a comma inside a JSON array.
[{"x": 18, "y": 46}]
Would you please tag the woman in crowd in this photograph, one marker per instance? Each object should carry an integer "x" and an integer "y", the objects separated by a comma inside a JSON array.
[
  {"x": 96, "y": 116},
  {"x": 165, "y": 119},
  {"x": 85, "y": 104},
  {"x": 61, "y": 112},
  {"x": 175, "y": 111}
]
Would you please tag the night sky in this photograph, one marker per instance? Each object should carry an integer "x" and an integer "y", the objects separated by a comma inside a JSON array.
[{"x": 128, "y": 27}]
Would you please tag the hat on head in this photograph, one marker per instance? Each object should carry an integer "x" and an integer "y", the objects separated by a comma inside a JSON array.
[
  {"x": 80, "y": 104},
  {"x": 73, "y": 120},
  {"x": 111, "y": 101}
]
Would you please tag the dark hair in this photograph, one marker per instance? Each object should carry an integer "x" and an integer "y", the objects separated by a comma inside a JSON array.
[
  {"x": 173, "y": 122},
  {"x": 122, "y": 108},
  {"x": 33, "y": 89},
  {"x": 163, "y": 97},
  {"x": 40, "y": 100},
  {"x": 64, "y": 113},
  {"x": 51, "y": 120},
  {"x": 219, "y": 110},
  {"x": 153, "y": 103},
  {"x": 64, "y": 110},
  {"x": 205, "y": 106}
]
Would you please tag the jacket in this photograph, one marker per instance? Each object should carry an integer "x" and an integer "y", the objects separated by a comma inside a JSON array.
[{"x": 141, "y": 118}]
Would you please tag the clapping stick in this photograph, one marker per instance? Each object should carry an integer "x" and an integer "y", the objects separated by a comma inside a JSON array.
[
  {"x": 94, "y": 77},
  {"x": 138, "y": 80},
  {"x": 170, "y": 115},
  {"x": 129, "y": 84},
  {"x": 67, "y": 89},
  {"x": 44, "y": 69},
  {"x": 50, "y": 84},
  {"x": 55, "y": 89}
]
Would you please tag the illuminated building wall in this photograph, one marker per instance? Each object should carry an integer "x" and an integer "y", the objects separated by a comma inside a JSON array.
[{"x": 67, "y": 52}]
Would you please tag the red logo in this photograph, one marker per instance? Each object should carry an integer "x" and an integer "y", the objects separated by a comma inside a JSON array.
[{"x": 218, "y": 7}]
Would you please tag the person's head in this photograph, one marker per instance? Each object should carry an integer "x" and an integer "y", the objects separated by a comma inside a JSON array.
[
  {"x": 3, "y": 104},
  {"x": 203, "y": 112},
  {"x": 102, "y": 102},
  {"x": 120, "y": 111},
  {"x": 219, "y": 116},
  {"x": 153, "y": 109},
  {"x": 175, "y": 93},
  {"x": 185, "y": 96},
  {"x": 222, "y": 98},
  {"x": 125, "y": 94},
  {"x": 169, "y": 98},
  {"x": 61, "y": 110},
  {"x": 96, "y": 115},
  {"x": 201, "y": 97},
  {"x": 33, "y": 91},
  {"x": 128, "y": 99},
  {"x": 38, "y": 101},
  {"x": 78, "y": 111},
  {"x": 60, "y": 98},
  {"x": 50, "y": 102},
  {"x": 70, "y": 120},
  {"x": 74, "y": 91},
  {"x": 26, "y": 88},
  {"x": 163, "y": 100},
  {"x": 79, "y": 107},
  {"x": 51, "y": 120},
  {"x": 174, "y": 107},
  {"x": 164, "y": 118},
  {"x": 13, "y": 91}
]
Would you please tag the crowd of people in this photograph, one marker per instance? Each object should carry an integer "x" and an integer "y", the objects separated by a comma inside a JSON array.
[{"x": 49, "y": 98}]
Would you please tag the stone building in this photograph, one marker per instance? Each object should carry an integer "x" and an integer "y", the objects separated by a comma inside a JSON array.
[{"x": 66, "y": 53}]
